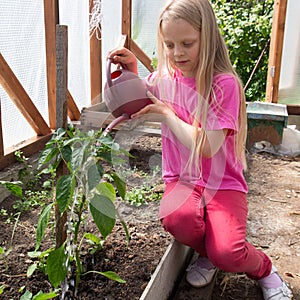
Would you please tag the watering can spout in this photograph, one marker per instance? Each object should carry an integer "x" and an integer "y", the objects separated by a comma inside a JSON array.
[{"x": 114, "y": 123}]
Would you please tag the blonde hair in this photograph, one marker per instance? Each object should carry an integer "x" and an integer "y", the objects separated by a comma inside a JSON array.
[{"x": 213, "y": 60}]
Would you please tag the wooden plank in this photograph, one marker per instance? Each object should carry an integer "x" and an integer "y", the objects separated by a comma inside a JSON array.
[
  {"x": 293, "y": 109},
  {"x": 141, "y": 55},
  {"x": 126, "y": 20},
  {"x": 95, "y": 65},
  {"x": 18, "y": 95},
  {"x": 168, "y": 272},
  {"x": 28, "y": 147},
  {"x": 51, "y": 18},
  {"x": 276, "y": 46}
]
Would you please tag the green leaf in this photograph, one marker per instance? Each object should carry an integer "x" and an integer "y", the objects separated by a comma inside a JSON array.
[
  {"x": 26, "y": 296},
  {"x": 106, "y": 189},
  {"x": 31, "y": 269},
  {"x": 77, "y": 158},
  {"x": 46, "y": 156},
  {"x": 91, "y": 237},
  {"x": 34, "y": 254},
  {"x": 42, "y": 224},
  {"x": 104, "y": 214},
  {"x": 66, "y": 153},
  {"x": 56, "y": 267},
  {"x": 109, "y": 274},
  {"x": 93, "y": 177},
  {"x": 42, "y": 296},
  {"x": 120, "y": 184},
  {"x": 113, "y": 276},
  {"x": 15, "y": 187},
  {"x": 2, "y": 287},
  {"x": 64, "y": 191}
]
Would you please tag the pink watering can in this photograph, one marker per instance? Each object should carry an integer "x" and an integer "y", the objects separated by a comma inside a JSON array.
[{"x": 124, "y": 94}]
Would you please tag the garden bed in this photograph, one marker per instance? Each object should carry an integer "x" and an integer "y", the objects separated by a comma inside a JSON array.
[{"x": 273, "y": 225}]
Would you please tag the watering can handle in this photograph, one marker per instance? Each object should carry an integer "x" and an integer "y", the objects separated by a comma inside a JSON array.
[{"x": 108, "y": 71}]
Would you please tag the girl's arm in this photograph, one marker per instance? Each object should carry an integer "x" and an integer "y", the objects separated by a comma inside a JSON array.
[
  {"x": 124, "y": 56},
  {"x": 160, "y": 112}
]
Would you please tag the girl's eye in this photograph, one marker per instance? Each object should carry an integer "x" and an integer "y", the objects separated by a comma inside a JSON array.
[
  {"x": 169, "y": 46},
  {"x": 187, "y": 44}
]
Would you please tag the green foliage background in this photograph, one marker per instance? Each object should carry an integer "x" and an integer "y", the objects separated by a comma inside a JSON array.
[{"x": 246, "y": 26}]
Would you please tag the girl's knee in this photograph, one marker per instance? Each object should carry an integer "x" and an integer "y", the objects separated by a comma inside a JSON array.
[
  {"x": 226, "y": 258},
  {"x": 185, "y": 229}
]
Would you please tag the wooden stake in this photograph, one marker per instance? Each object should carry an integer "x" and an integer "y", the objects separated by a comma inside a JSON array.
[{"x": 61, "y": 116}]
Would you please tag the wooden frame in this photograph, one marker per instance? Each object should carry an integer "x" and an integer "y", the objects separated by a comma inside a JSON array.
[{"x": 51, "y": 14}]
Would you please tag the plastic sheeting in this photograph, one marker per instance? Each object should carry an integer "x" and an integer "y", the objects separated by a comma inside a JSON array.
[
  {"x": 144, "y": 27},
  {"x": 22, "y": 44}
]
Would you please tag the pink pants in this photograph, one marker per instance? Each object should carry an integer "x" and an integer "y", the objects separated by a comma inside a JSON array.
[{"x": 214, "y": 224}]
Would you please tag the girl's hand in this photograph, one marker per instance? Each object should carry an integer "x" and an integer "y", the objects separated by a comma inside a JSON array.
[
  {"x": 156, "y": 112},
  {"x": 124, "y": 56}
]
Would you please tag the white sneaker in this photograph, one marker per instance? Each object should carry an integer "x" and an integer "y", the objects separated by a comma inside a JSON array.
[
  {"x": 281, "y": 293},
  {"x": 198, "y": 276}
]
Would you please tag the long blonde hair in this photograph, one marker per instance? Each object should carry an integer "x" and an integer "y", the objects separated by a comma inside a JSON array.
[{"x": 213, "y": 60}]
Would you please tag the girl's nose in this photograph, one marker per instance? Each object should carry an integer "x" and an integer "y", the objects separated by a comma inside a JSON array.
[{"x": 178, "y": 50}]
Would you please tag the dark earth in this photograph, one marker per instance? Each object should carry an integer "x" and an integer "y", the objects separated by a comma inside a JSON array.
[{"x": 273, "y": 226}]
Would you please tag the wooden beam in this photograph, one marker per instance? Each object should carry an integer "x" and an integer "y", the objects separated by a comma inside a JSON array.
[
  {"x": 18, "y": 95},
  {"x": 51, "y": 18},
  {"x": 126, "y": 20},
  {"x": 276, "y": 46},
  {"x": 95, "y": 65},
  {"x": 141, "y": 55},
  {"x": 73, "y": 111},
  {"x": 28, "y": 148}
]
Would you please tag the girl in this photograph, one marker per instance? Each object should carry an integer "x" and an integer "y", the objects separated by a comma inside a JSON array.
[{"x": 199, "y": 99}]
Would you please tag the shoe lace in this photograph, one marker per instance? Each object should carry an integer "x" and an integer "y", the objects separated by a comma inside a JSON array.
[
  {"x": 193, "y": 266},
  {"x": 196, "y": 266}
]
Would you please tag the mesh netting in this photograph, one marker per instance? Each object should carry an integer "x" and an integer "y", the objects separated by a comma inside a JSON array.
[{"x": 22, "y": 44}]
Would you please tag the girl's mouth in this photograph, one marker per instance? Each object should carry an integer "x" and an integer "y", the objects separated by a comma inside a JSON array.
[{"x": 181, "y": 63}]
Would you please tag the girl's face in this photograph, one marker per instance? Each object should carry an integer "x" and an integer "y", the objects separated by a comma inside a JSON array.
[{"x": 182, "y": 45}]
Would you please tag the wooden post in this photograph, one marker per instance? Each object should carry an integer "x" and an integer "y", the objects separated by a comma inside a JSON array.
[
  {"x": 126, "y": 21},
  {"x": 61, "y": 116},
  {"x": 276, "y": 47},
  {"x": 51, "y": 16},
  {"x": 95, "y": 65}
]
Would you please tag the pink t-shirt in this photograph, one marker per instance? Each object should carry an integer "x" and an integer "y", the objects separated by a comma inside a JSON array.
[{"x": 222, "y": 171}]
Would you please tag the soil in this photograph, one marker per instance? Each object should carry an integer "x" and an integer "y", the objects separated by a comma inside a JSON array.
[{"x": 273, "y": 226}]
